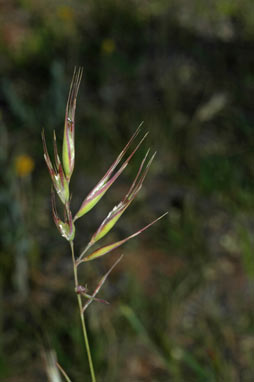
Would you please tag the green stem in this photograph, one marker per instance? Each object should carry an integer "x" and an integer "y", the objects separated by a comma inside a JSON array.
[{"x": 83, "y": 324}]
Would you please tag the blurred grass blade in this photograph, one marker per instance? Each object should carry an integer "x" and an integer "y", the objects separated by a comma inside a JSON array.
[
  {"x": 69, "y": 126},
  {"x": 102, "y": 281},
  {"x": 51, "y": 367},
  {"x": 114, "y": 215},
  {"x": 63, "y": 372},
  {"x": 139, "y": 328},
  {"x": 246, "y": 244},
  {"x": 130, "y": 315},
  {"x": 110, "y": 247},
  {"x": 202, "y": 373},
  {"x": 108, "y": 179}
]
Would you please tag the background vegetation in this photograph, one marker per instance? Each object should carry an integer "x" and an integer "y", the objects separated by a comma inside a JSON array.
[{"x": 182, "y": 299}]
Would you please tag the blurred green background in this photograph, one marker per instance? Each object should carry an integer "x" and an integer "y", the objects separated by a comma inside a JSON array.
[{"x": 182, "y": 298}]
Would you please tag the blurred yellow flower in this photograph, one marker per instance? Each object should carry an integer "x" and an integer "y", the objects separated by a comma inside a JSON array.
[
  {"x": 24, "y": 165},
  {"x": 65, "y": 13},
  {"x": 108, "y": 46}
]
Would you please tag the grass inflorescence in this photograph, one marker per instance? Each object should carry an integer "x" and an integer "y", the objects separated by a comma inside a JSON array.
[{"x": 60, "y": 172}]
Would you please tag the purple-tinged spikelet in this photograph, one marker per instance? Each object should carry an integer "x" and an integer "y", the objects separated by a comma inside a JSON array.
[
  {"x": 66, "y": 228},
  {"x": 69, "y": 126},
  {"x": 108, "y": 179},
  {"x": 110, "y": 247},
  {"x": 114, "y": 215},
  {"x": 56, "y": 172}
]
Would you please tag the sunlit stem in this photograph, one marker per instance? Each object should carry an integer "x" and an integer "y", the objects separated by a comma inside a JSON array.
[{"x": 82, "y": 318}]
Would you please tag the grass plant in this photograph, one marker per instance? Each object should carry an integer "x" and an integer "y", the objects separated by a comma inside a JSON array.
[{"x": 60, "y": 173}]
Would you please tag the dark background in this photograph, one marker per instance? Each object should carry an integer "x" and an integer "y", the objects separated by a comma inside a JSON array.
[{"x": 182, "y": 298}]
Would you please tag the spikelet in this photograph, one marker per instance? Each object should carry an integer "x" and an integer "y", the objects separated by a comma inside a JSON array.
[
  {"x": 110, "y": 247},
  {"x": 114, "y": 215},
  {"x": 57, "y": 175},
  {"x": 66, "y": 228},
  {"x": 108, "y": 179},
  {"x": 69, "y": 126}
]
